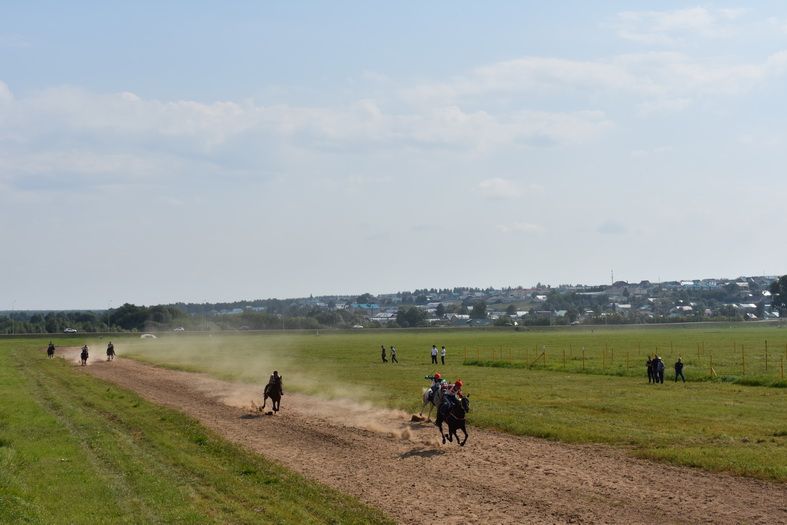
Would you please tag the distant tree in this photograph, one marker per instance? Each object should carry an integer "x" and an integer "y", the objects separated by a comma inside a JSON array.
[
  {"x": 440, "y": 310},
  {"x": 779, "y": 292},
  {"x": 364, "y": 298},
  {"x": 479, "y": 310},
  {"x": 410, "y": 317},
  {"x": 511, "y": 310},
  {"x": 421, "y": 299}
]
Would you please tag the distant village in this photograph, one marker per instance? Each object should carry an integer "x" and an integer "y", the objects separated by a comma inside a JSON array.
[
  {"x": 746, "y": 299},
  {"x": 740, "y": 299}
]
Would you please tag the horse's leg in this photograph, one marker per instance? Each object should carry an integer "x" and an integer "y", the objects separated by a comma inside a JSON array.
[
  {"x": 264, "y": 400},
  {"x": 464, "y": 431}
]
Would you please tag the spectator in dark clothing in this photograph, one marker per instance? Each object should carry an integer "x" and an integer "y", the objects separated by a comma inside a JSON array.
[
  {"x": 649, "y": 365},
  {"x": 659, "y": 365},
  {"x": 382, "y": 353},
  {"x": 679, "y": 370},
  {"x": 393, "y": 354}
]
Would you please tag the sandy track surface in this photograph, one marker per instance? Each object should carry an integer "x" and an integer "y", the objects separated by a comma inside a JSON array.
[{"x": 388, "y": 462}]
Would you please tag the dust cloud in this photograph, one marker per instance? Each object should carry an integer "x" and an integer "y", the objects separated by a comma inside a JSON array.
[{"x": 234, "y": 372}]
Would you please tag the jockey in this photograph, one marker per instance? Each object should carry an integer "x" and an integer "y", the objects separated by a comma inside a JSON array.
[
  {"x": 275, "y": 383},
  {"x": 437, "y": 382}
]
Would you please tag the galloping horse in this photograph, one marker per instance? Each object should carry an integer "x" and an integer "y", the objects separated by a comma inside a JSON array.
[
  {"x": 110, "y": 352},
  {"x": 431, "y": 399},
  {"x": 50, "y": 351},
  {"x": 274, "y": 394},
  {"x": 84, "y": 355},
  {"x": 456, "y": 421}
]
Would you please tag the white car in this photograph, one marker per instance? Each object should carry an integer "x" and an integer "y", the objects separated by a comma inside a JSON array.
[
  {"x": 70, "y": 331},
  {"x": 179, "y": 329}
]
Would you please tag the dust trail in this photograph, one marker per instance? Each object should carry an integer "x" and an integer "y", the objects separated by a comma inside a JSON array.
[{"x": 336, "y": 412}]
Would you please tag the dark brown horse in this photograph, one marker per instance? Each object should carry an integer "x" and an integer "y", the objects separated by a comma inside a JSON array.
[
  {"x": 274, "y": 393},
  {"x": 83, "y": 356},
  {"x": 50, "y": 351},
  {"x": 455, "y": 418}
]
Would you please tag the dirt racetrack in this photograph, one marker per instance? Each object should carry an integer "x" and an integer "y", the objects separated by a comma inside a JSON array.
[{"x": 390, "y": 463}]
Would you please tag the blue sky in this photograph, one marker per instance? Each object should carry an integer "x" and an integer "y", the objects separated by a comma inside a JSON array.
[{"x": 211, "y": 151}]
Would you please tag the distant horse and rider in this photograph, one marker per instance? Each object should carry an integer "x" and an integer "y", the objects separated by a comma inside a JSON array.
[
  {"x": 50, "y": 350},
  {"x": 273, "y": 391},
  {"x": 84, "y": 355},
  {"x": 110, "y": 351}
]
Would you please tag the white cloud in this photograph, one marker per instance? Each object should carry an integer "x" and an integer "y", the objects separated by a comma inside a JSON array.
[
  {"x": 6, "y": 97},
  {"x": 663, "y": 80},
  {"x": 69, "y": 130},
  {"x": 497, "y": 188},
  {"x": 671, "y": 27},
  {"x": 521, "y": 227}
]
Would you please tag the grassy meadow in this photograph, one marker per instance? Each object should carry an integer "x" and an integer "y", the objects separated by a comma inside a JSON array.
[
  {"x": 74, "y": 449},
  {"x": 719, "y": 423}
]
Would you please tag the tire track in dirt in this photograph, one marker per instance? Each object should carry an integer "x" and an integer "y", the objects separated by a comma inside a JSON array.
[{"x": 380, "y": 457}]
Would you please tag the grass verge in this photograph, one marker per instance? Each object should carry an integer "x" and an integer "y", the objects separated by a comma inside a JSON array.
[{"x": 74, "y": 449}]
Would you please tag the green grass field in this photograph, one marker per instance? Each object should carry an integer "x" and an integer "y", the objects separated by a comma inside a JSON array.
[
  {"x": 74, "y": 449},
  {"x": 713, "y": 424}
]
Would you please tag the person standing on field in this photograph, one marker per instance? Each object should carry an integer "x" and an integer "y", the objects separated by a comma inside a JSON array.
[
  {"x": 382, "y": 353},
  {"x": 393, "y": 355},
  {"x": 434, "y": 354},
  {"x": 442, "y": 354},
  {"x": 649, "y": 365},
  {"x": 679, "y": 370},
  {"x": 659, "y": 366}
]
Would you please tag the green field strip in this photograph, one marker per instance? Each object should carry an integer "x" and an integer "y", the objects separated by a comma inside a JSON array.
[{"x": 78, "y": 450}]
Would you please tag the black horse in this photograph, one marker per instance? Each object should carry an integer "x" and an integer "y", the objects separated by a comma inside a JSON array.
[
  {"x": 83, "y": 356},
  {"x": 456, "y": 421},
  {"x": 274, "y": 393},
  {"x": 110, "y": 352},
  {"x": 50, "y": 351}
]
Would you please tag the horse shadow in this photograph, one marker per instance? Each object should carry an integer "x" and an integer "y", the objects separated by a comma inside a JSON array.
[{"x": 421, "y": 453}]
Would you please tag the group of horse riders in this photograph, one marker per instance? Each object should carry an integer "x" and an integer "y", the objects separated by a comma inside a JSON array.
[
  {"x": 85, "y": 353},
  {"x": 447, "y": 395}
]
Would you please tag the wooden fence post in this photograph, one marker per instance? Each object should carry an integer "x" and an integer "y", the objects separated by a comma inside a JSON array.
[
  {"x": 583, "y": 358},
  {"x": 564, "y": 358},
  {"x": 743, "y": 360},
  {"x": 627, "y": 360},
  {"x": 766, "y": 356}
]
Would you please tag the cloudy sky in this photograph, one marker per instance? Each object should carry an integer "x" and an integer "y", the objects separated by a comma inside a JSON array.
[{"x": 154, "y": 153}]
